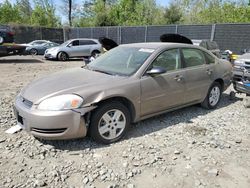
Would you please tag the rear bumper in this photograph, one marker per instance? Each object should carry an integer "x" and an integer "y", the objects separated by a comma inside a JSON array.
[
  {"x": 51, "y": 125},
  {"x": 242, "y": 87}
]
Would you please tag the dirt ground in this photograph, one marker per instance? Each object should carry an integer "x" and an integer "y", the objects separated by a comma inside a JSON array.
[{"x": 191, "y": 147}]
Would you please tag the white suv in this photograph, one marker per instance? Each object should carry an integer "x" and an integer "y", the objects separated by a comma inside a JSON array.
[{"x": 74, "y": 48}]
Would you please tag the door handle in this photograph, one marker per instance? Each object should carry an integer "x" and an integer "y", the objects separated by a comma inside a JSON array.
[
  {"x": 209, "y": 72},
  {"x": 178, "y": 78}
]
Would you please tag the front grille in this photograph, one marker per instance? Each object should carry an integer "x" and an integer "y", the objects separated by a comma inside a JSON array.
[
  {"x": 48, "y": 131},
  {"x": 26, "y": 102}
]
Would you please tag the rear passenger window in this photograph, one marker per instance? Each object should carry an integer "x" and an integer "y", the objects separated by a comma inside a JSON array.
[
  {"x": 209, "y": 59},
  {"x": 169, "y": 59},
  {"x": 87, "y": 42},
  {"x": 193, "y": 57}
]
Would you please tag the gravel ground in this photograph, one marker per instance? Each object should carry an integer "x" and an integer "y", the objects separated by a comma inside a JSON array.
[{"x": 191, "y": 147}]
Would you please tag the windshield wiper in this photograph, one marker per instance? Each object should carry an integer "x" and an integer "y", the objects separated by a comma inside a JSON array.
[{"x": 101, "y": 71}]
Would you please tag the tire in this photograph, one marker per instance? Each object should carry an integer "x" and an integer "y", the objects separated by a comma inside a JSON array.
[
  {"x": 95, "y": 53},
  {"x": 33, "y": 52},
  {"x": 62, "y": 56},
  {"x": 213, "y": 96},
  {"x": 106, "y": 129}
]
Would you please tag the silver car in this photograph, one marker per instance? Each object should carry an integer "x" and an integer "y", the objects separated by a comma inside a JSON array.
[
  {"x": 124, "y": 85},
  {"x": 74, "y": 48}
]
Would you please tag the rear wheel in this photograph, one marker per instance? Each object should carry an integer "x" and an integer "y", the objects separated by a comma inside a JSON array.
[
  {"x": 62, "y": 56},
  {"x": 33, "y": 51},
  {"x": 109, "y": 123},
  {"x": 213, "y": 96},
  {"x": 95, "y": 53}
]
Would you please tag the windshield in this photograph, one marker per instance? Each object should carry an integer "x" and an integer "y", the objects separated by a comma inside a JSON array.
[
  {"x": 65, "y": 43},
  {"x": 121, "y": 60}
]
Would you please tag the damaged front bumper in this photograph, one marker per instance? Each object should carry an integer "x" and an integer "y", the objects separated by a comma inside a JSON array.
[{"x": 51, "y": 125}]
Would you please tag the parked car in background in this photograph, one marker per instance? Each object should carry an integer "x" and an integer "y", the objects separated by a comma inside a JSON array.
[
  {"x": 127, "y": 84},
  {"x": 74, "y": 48},
  {"x": 6, "y": 36},
  {"x": 36, "y": 43},
  {"x": 7, "y": 45},
  {"x": 209, "y": 45},
  {"x": 41, "y": 48},
  {"x": 241, "y": 68}
]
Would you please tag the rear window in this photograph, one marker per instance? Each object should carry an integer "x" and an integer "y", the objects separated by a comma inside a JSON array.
[{"x": 87, "y": 42}]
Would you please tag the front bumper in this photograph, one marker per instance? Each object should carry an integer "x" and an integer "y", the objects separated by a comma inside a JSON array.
[
  {"x": 50, "y": 56},
  {"x": 242, "y": 87},
  {"x": 51, "y": 125}
]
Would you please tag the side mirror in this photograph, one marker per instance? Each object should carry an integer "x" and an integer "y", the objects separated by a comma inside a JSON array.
[{"x": 156, "y": 71}]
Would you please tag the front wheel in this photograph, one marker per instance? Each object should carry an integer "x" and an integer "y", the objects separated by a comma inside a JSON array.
[
  {"x": 109, "y": 123},
  {"x": 62, "y": 56},
  {"x": 33, "y": 51},
  {"x": 213, "y": 96}
]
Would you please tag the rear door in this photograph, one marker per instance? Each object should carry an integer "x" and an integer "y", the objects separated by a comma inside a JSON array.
[
  {"x": 199, "y": 74},
  {"x": 86, "y": 47},
  {"x": 166, "y": 90}
]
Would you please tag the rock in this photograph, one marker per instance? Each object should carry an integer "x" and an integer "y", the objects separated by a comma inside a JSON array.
[
  {"x": 238, "y": 140},
  {"x": 130, "y": 186},
  {"x": 2, "y": 140},
  {"x": 85, "y": 180},
  {"x": 99, "y": 165},
  {"x": 102, "y": 172},
  {"x": 125, "y": 165},
  {"x": 176, "y": 152},
  {"x": 39, "y": 183},
  {"x": 213, "y": 172}
]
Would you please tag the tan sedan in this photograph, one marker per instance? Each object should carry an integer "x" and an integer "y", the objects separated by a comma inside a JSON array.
[{"x": 127, "y": 84}]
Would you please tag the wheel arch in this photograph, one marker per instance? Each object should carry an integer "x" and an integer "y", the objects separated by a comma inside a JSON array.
[
  {"x": 125, "y": 101},
  {"x": 221, "y": 82},
  {"x": 62, "y": 52}
]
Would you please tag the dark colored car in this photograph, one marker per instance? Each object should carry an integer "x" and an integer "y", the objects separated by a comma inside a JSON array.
[
  {"x": 7, "y": 45},
  {"x": 40, "y": 49},
  {"x": 6, "y": 36}
]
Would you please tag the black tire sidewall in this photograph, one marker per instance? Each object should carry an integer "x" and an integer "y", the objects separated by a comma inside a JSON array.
[
  {"x": 94, "y": 53},
  {"x": 98, "y": 113}
]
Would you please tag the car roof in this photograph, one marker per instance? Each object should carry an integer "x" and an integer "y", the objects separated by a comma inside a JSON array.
[
  {"x": 157, "y": 45},
  {"x": 84, "y": 39}
]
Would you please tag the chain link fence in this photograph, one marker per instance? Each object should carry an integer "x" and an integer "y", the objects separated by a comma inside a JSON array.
[{"x": 228, "y": 36}]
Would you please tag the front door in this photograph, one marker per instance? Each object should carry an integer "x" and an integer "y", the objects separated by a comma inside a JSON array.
[{"x": 166, "y": 90}]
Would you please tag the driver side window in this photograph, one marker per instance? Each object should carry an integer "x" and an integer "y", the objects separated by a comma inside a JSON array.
[{"x": 170, "y": 60}]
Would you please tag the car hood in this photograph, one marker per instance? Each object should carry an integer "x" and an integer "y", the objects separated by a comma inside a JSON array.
[
  {"x": 65, "y": 82},
  {"x": 245, "y": 56},
  {"x": 54, "y": 48}
]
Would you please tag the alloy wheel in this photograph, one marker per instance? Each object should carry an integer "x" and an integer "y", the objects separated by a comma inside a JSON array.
[
  {"x": 112, "y": 124},
  {"x": 214, "y": 96}
]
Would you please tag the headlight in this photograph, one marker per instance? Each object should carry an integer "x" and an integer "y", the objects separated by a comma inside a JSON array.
[{"x": 61, "y": 102}]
